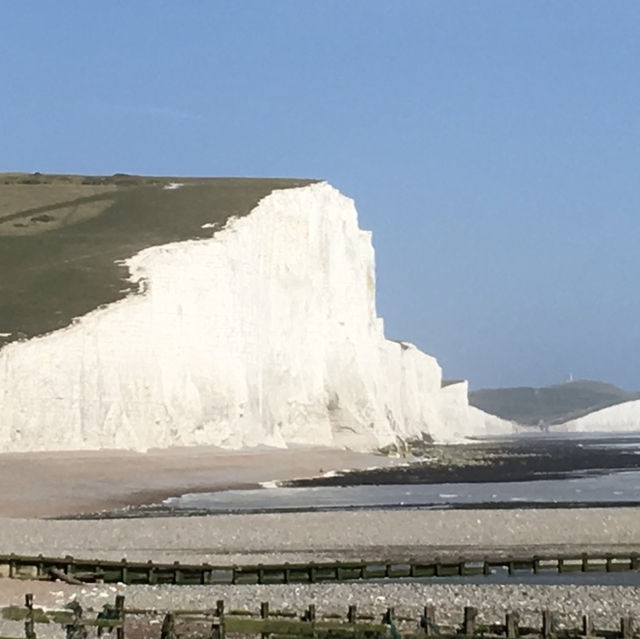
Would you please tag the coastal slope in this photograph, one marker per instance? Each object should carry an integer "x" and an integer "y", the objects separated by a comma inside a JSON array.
[
  {"x": 552, "y": 406},
  {"x": 623, "y": 417}
]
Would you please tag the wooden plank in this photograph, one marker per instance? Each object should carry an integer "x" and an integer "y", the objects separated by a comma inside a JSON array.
[
  {"x": 63, "y": 576},
  {"x": 284, "y": 623},
  {"x": 21, "y": 566},
  {"x": 424, "y": 570},
  {"x": 290, "y": 626},
  {"x": 472, "y": 568}
]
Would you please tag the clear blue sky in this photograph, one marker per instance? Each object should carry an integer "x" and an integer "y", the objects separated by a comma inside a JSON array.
[{"x": 492, "y": 147}]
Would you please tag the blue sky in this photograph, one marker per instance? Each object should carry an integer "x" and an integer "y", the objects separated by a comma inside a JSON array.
[{"x": 492, "y": 147}]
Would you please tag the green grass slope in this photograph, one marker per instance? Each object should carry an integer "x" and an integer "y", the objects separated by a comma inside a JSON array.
[
  {"x": 550, "y": 405},
  {"x": 61, "y": 236}
]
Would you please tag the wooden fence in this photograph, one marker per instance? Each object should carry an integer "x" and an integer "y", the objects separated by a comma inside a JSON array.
[
  {"x": 131, "y": 572},
  {"x": 217, "y": 622}
]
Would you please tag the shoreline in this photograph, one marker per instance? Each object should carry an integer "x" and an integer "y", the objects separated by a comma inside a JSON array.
[
  {"x": 166, "y": 512},
  {"x": 40, "y": 485},
  {"x": 113, "y": 483}
]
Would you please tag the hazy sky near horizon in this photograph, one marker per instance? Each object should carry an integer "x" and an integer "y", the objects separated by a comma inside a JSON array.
[{"x": 492, "y": 147}]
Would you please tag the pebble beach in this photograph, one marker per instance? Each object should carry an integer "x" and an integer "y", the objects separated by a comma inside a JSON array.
[{"x": 317, "y": 536}]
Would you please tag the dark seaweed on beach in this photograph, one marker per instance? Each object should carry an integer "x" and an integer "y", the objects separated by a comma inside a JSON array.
[{"x": 524, "y": 459}]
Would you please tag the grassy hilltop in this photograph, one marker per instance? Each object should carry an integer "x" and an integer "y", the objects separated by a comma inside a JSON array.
[
  {"x": 61, "y": 236},
  {"x": 552, "y": 404}
]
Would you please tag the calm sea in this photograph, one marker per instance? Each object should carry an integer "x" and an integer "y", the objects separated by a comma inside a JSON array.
[{"x": 548, "y": 471}]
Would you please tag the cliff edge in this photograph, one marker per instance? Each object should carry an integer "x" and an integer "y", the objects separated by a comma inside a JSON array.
[{"x": 258, "y": 329}]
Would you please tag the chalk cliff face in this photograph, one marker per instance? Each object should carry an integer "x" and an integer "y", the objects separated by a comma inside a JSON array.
[
  {"x": 618, "y": 418},
  {"x": 266, "y": 333}
]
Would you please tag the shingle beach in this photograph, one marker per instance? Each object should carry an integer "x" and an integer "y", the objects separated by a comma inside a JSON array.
[{"x": 324, "y": 536}]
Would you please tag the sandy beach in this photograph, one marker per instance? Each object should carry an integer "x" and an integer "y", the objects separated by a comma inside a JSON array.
[{"x": 70, "y": 483}]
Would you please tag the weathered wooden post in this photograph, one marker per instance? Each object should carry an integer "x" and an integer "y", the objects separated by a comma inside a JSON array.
[
  {"x": 119, "y": 609},
  {"x": 548, "y": 623},
  {"x": 12, "y": 566},
  {"x": 264, "y": 614},
  {"x": 177, "y": 573},
  {"x": 76, "y": 629},
  {"x": 428, "y": 621},
  {"x": 152, "y": 577},
  {"x": 311, "y": 613},
  {"x": 626, "y": 627},
  {"x": 168, "y": 630},
  {"x": 587, "y": 626},
  {"x": 469, "y": 623},
  {"x": 352, "y": 614},
  {"x": 220, "y": 615},
  {"x": 29, "y": 624},
  {"x": 70, "y": 565},
  {"x": 512, "y": 620},
  {"x": 41, "y": 570}
]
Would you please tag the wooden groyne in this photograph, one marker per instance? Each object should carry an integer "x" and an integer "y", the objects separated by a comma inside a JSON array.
[
  {"x": 216, "y": 622},
  {"x": 75, "y": 570}
]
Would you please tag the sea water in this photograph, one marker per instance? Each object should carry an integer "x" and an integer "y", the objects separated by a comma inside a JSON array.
[{"x": 594, "y": 486}]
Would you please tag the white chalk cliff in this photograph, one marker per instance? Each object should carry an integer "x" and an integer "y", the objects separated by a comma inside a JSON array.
[
  {"x": 622, "y": 417},
  {"x": 266, "y": 333}
]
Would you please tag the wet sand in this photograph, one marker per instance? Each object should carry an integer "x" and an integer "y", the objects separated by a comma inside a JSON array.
[{"x": 70, "y": 483}]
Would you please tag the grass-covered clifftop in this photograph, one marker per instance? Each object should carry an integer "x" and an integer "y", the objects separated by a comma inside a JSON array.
[
  {"x": 62, "y": 236},
  {"x": 549, "y": 405}
]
